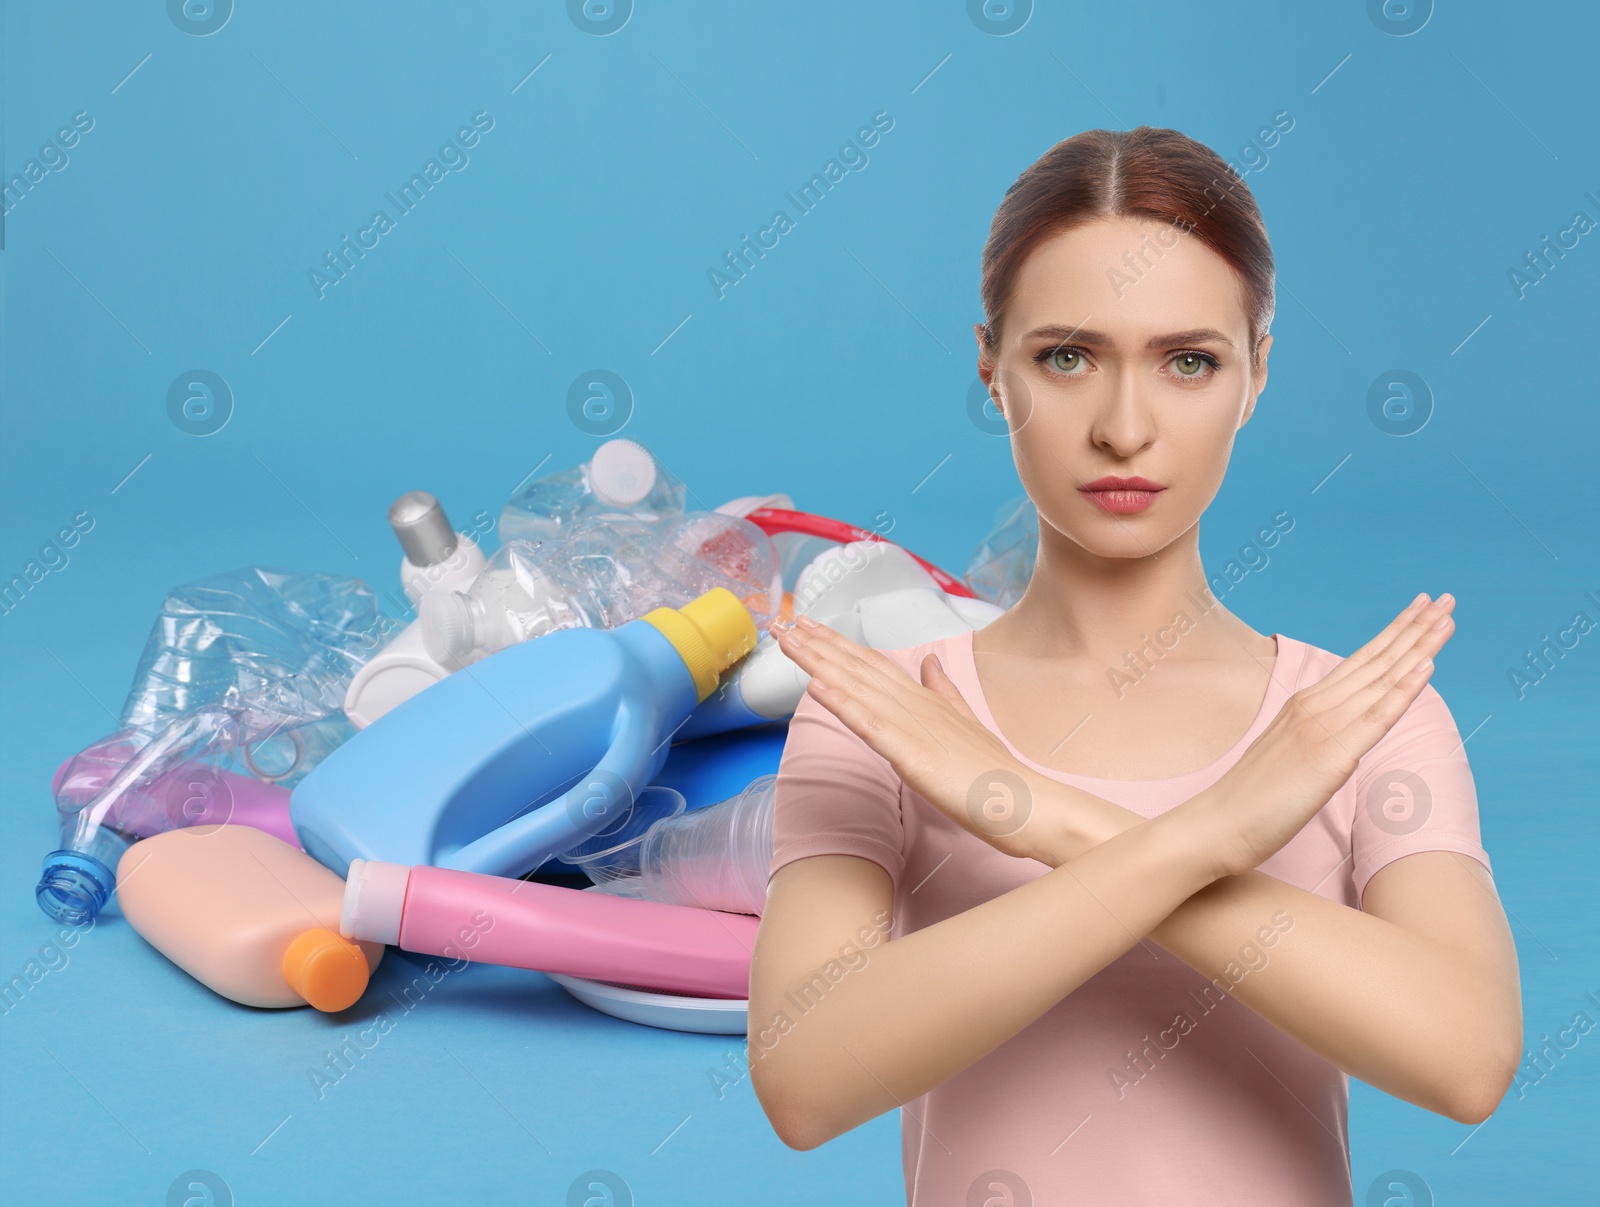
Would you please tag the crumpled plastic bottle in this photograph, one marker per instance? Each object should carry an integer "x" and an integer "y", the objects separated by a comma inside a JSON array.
[
  {"x": 245, "y": 673},
  {"x": 605, "y": 573},
  {"x": 1003, "y": 563},
  {"x": 188, "y": 793},
  {"x": 623, "y": 480},
  {"x": 165, "y": 783},
  {"x": 270, "y": 640}
]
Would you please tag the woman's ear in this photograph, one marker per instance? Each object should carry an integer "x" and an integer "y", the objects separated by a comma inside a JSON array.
[
  {"x": 1258, "y": 380},
  {"x": 986, "y": 367}
]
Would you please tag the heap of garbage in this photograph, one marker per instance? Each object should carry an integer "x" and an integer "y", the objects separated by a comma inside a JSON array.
[{"x": 564, "y": 760}]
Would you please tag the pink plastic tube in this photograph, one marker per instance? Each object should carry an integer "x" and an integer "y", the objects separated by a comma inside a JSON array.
[{"x": 497, "y": 920}]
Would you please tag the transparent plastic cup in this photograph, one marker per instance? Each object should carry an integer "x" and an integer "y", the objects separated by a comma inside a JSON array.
[{"x": 611, "y": 859}]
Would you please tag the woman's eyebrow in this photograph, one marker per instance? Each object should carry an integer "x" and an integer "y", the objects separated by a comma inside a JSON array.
[{"x": 1195, "y": 335}]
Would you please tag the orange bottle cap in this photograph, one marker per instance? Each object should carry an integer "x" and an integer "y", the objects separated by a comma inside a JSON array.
[{"x": 326, "y": 969}]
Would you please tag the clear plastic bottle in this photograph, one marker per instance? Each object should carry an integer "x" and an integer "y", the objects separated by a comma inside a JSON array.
[
  {"x": 1002, "y": 565},
  {"x": 604, "y": 574},
  {"x": 244, "y": 672},
  {"x": 738, "y": 551},
  {"x": 632, "y": 566},
  {"x": 280, "y": 645},
  {"x": 522, "y": 592},
  {"x": 148, "y": 793},
  {"x": 190, "y": 792},
  {"x": 621, "y": 481}
]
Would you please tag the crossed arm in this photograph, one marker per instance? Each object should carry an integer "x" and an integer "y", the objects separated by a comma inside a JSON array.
[{"x": 1416, "y": 993}]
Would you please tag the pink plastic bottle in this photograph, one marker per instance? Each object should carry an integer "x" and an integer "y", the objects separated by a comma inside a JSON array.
[{"x": 468, "y": 915}]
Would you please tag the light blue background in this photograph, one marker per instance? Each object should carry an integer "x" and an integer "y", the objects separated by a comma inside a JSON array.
[{"x": 1419, "y": 171}]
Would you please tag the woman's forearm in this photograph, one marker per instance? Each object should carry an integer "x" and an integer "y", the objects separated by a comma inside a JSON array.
[
  {"x": 930, "y": 1004},
  {"x": 1408, "y": 1013}
]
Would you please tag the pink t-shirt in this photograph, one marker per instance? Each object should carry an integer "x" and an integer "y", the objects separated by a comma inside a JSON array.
[{"x": 1147, "y": 1084}]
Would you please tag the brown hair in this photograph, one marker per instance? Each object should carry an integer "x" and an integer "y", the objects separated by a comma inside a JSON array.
[{"x": 1149, "y": 172}]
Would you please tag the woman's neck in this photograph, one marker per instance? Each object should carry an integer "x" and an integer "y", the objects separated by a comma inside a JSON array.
[{"x": 1081, "y": 605}]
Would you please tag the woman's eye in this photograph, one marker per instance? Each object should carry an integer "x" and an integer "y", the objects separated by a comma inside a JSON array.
[
  {"x": 1064, "y": 360},
  {"x": 1192, "y": 364}
]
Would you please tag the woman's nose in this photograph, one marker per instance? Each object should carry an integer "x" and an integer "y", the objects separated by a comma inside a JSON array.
[{"x": 1124, "y": 423}]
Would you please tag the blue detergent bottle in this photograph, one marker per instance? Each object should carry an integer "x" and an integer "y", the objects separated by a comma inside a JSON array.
[{"x": 526, "y": 753}]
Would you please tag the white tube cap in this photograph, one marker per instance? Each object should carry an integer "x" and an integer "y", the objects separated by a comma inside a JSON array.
[{"x": 374, "y": 899}]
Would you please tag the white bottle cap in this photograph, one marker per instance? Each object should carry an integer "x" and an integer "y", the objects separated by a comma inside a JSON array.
[
  {"x": 446, "y": 620},
  {"x": 374, "y": 899},
  {"x": 621, "y": 473}
]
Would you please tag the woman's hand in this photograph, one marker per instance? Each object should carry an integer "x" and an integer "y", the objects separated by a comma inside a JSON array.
[
  {"x": 932, "y": 739},
  {"x": 1312, "y": 746}
]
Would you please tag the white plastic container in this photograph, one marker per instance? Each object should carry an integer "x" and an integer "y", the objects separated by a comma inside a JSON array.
[
  {"x": 435, "y": 558},
  {"x": 394, "y": 674}
]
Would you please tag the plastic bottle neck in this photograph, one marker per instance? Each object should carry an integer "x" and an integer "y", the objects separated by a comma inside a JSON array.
[{"x": 74, "y": 887}]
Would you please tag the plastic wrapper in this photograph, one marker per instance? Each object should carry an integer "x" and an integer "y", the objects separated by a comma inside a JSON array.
[{"x": 1002, "y": 565}]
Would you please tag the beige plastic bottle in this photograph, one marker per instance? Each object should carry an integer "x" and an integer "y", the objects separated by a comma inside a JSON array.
[{"x": 245, "y": 914}]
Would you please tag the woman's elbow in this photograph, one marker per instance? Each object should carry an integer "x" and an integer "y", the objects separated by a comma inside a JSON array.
[
  {"x": 797, "y": 1135},
  {"x": 1477, "y": 1092},
  {"x": 799, "y": 1124},
  {"x": 796, "y": 1128},
  {"x": 1474, "y": 1104}
]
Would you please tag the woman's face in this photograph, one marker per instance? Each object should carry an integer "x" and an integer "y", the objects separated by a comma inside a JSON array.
[{"x": 1123, "y": 355}]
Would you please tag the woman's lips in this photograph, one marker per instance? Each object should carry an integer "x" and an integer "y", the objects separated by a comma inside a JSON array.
[{"x": 1121, "y": 496}]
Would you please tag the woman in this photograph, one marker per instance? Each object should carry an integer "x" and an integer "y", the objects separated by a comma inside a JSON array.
[{"x": 1113, "y": 895}]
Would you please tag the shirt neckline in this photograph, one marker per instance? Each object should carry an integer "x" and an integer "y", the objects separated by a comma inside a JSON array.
[{"x": 1285, "y": 674}]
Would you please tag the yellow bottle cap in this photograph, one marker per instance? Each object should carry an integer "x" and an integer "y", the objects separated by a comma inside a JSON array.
[
  {"x": 710, "y": 633},
  {"x": 326, "y": 969}
]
